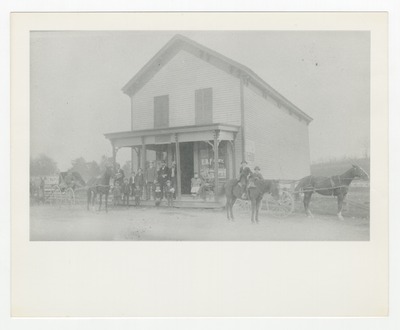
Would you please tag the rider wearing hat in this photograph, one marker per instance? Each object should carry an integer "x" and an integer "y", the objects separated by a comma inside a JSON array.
[
  {"x": 257, "y": 175},
  {"x": 243, "y": 175}
]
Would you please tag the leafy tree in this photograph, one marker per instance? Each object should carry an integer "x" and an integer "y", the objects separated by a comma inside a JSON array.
[
  {"x": 43, "y": 165},
  {"x": 104, "y": 161},
  {"x": 94, "y": 169},
  {"x": 79, "y": 165}
]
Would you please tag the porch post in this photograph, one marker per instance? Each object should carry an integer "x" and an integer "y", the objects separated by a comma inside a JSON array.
[
  {"x": 139, "y": 156},
  {"x": 233, "y": 157},
  {"x": 143, "y": 155},
  {"x": 143, "y": 161},
  {"x": 178, "y": 167},
  {"x": 132, "y": 157},
  {"x": 216, "y": 159},
  {"x": 114, "y": 154}
]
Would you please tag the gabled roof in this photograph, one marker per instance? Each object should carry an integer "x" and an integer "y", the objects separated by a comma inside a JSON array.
[{"x": 179, "y": 42}]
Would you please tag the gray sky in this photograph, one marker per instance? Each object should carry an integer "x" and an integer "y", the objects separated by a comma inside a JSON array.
[{"x": 76, "y": 81}]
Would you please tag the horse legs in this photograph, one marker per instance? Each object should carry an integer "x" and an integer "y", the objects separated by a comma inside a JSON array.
[
  {"x": 340, "y": 199},
  {"x": 105, "y": 200},
  {"x": 89, "y": 198},
  {"x": 253, "y": 210},
  {"x": 94, "y": 196},
  {"x": 306, "y": 201},
  {"x": 258, "y": 204},
  {"x": 233, "y": 200},
  {"x": 227, "y": 206},
  {"x": 100, "y": 200}
]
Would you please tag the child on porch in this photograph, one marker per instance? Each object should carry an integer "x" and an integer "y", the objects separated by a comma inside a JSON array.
[
  {"x": 157, "y": 193},
  {"x": 169, "y": 192}
]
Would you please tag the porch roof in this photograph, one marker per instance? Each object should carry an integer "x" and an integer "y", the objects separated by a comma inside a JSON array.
[{"x": 171, "y": 130}]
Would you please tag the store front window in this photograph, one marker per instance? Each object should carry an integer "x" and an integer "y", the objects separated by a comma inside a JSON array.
[{"x": 206, "y": 160}]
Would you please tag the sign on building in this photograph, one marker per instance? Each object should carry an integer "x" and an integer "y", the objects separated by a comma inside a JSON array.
[{"x": 250, "y": 152}]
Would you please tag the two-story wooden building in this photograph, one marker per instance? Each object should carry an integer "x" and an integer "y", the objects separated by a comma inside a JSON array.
[{"x": 207, "y": 112}]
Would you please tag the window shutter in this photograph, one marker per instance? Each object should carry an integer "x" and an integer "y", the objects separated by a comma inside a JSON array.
[{"x": 161, "y": 111}]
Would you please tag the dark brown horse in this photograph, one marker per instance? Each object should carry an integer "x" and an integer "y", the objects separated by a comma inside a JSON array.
[
  {"x": 233, "y": 191},
  {"x": 337, "y": 185},
  {"x": 99, "y": 186}
]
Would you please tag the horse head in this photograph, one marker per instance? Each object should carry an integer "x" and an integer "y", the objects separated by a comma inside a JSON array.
[
  {"x": 359, "y": 172},
  {"x": 108, "y": 174}
]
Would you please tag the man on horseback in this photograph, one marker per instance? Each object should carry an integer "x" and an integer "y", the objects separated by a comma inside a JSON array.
[
  {"x": 252, "y": 179},
  {"x": 244, "y": 173},
  {"x": 257, "y": 174}
]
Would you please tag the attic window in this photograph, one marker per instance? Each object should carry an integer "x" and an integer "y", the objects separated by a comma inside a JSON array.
[{"x": 203, "y": 106}]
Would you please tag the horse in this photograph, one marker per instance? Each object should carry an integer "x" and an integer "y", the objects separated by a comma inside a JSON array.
[
  {"x": 337, "y": 185},
  {"x": 233, "y": 191},
  {"x": 99, "y": 186}
]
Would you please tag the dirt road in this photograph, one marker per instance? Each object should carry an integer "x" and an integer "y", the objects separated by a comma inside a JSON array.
[{"x": 141, "y": 224}]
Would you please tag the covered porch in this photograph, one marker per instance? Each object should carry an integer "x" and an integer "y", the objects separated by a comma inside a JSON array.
[{"x": 208, "y": 150}]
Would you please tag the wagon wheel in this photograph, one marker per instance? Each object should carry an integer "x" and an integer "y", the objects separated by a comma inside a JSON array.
[
  {"x": 69, "y": 196},
  {"x": 242, "y": 205},
  {"x": 282, "y": 207}
]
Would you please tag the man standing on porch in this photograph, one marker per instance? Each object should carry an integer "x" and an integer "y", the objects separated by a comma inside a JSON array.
[
  {"x": 163, "y": 173},
  {"x": 151, "y": 176}
]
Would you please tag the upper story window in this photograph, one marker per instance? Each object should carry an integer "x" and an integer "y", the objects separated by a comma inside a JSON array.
[
  {"x": 204, "y": 106},
  {"x": 161, "y": 111}
]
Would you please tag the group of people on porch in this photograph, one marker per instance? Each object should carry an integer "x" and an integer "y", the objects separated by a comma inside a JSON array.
[
  {"x": 144, "y": 182},
  {"x": 164, "y": 177}
]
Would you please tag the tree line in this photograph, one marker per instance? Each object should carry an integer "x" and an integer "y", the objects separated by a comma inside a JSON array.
[{"x": 44, "y": 165}]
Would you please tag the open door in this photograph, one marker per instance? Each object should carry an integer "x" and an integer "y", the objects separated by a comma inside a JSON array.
[{"x": 187, "y": 166}]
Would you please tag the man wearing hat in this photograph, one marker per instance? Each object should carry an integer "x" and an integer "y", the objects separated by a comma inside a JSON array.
[
  {"x": 257, "y": 174},
  {"x": 254, "y": 177},
  {"x": 163, "y": 174},
  {"x": 151, "y": 176}
]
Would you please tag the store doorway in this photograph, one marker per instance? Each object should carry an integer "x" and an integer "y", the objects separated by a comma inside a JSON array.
[{"x": 187, "y": 166}]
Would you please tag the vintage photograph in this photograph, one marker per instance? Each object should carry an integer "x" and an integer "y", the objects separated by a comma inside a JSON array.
[{"x": 199, "y": 135}]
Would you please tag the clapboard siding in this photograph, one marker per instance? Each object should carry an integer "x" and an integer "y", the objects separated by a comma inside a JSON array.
[
  {"x": 180, "y": 78},
  {"x": 280, "y": 139}
]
